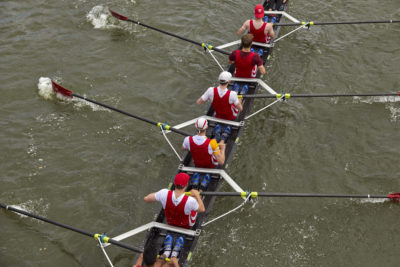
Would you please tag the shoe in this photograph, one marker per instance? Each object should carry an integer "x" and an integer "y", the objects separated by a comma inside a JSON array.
[
  {"x": 167, "y": 245},
  {"x": 236, "y": 88},
  {"x": 226, "y": 133},
  {"x": 244, "y": 90},
  {"x": 178, "y": 247},
  {"x": 195, "y": 180},
  {"x": 217, "y": 132},
  {"x": 204, "y": 183}
]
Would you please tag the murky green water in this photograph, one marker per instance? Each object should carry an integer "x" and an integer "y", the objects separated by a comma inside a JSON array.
[{"x": 90, "y": 168}]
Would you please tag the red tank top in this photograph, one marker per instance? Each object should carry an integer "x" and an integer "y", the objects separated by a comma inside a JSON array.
[
  {"x": 200, "y": 155},
  {"x": 244, "y": 69},
  {"x": 221, "y": 106},
  {"x": 259, "y": 35},
  {"x": 176, "y": 216}
]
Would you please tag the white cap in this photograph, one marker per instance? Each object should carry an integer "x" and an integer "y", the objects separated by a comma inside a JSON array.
[
  {"x": 225, "y": 77},
  {"x": 201, "y": 124}
]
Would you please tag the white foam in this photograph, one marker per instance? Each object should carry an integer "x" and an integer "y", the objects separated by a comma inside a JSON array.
[
  {"x": 45, "y": 88},
  {"x": 376, "y": 99},
  {"x": 99, "y": 16},
  {"x": 394, "y": 113},
  {"x": 37, "y": 207},
  {"x": 373, "y": 200}
]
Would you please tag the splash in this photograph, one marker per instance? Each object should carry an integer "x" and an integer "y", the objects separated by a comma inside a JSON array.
[
  {"x": 46, "y": 91},
  {"x": 101, "y": 18},
  {"x": 376, "y": 99},
  {"x": 37, "y": 207},
  {"x": 394, "y": 113},
  {"x": 373, "y": 200},
  {"x": 45, "y": 88}
]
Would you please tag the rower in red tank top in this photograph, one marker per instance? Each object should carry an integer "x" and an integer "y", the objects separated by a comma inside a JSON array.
[
  {"x": 246, "y": 62},
  {"x": 206, "y": 153},
  {"x": 260, "y": 29},
  {"x": 180, "y": 210},
  {"x": 225, "y": 102},
  {"x": 259, "y": 34}
]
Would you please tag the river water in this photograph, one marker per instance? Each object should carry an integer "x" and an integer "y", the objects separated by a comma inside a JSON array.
[{"x": 90, "y": 168}]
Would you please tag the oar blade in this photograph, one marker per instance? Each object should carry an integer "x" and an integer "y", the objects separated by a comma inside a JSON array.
[
  {"x": 118, "y": 16},
  {"x": 61, "y": 90},
  {"x": 394, "y": 197}
]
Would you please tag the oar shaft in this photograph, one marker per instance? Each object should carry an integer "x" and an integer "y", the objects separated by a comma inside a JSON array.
[
  {"x": 128, "y": 114},
  {"x": 322, "y": 95},
  {"x": 83, "y": 232},
  {"x": 339, "y": 22},
  {"x": 165, "y": 32},
  {"x": 266, "y": 194}
]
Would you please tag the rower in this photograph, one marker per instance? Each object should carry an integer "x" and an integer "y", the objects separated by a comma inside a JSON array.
[
  {"x": 206, "y": 153},
  {"x": 246, "y": 62},
  {"x": 262, "y": 31},
  {"x": 274, "y": 5},
  {"x": 225, "y": 103},
  {"x": 180, "y": 210}
]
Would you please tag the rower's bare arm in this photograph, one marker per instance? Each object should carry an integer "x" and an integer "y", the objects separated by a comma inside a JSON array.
[
  {"x": 150, "y": 198},
  {"x": 196, "y": 194},
  {"x": 243, "y": 28},
  {"x": 271, "y": 32},
  {"x": 261, "y": 69},
  {"x": 220, "y": 157},
  {"x": 200, "y": 101},
  {"x": 239, "y": 105},
  {"x": 174, "y": 261}
]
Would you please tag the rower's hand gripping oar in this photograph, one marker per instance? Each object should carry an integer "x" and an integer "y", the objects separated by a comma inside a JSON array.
[
  {"x": 204, "y": 45},
  {"x": 102, "y": 237},
  {"x": 312, "y": 23},
  {"x": 286, "y": 96},
  {"x": 65, "y": 92},
  {"x": 394, "y": 197}
]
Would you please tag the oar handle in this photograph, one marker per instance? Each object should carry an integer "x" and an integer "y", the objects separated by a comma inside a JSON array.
[{"x": 62, "y": 225}]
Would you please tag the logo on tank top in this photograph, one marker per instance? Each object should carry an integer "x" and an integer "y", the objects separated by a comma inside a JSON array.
[{"x": 192, "y": 217}]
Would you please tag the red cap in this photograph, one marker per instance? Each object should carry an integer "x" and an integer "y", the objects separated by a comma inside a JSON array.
[
  {"x": 259, "y": 11},
  {"x": 181, "y": 179}
]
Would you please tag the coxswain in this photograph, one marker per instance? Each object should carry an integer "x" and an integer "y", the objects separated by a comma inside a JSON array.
[
  {"x": 262, "y": 31},
  {"x": 180, "y": 210},
  {"x": 206, "y": 153},
  {"x": 246, "y": 62},
  {"x": 225, "y": 102}
]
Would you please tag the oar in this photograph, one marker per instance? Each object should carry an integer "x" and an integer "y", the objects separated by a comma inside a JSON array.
[
  {"x": 395, "y": 197},
  {"x": 317, "y": 95},
  {"x": 103, "y": 238},
  {"x": 312, "y": 23},
  {"x": 61, "y": 90},
  {"x": 120, "y": 17}
]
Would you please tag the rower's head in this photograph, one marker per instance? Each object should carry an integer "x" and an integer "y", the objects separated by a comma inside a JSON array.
[
  {"x": 181, "y": 180},
  {"x": 247, "y": 40},
  {"x": 259, "y": 11},
  {"x": 201, "y": 124},
  {"x": 224, "y": 77}
]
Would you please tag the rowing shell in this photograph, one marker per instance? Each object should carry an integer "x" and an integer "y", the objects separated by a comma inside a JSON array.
[{"x": 159, "y": 228}]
